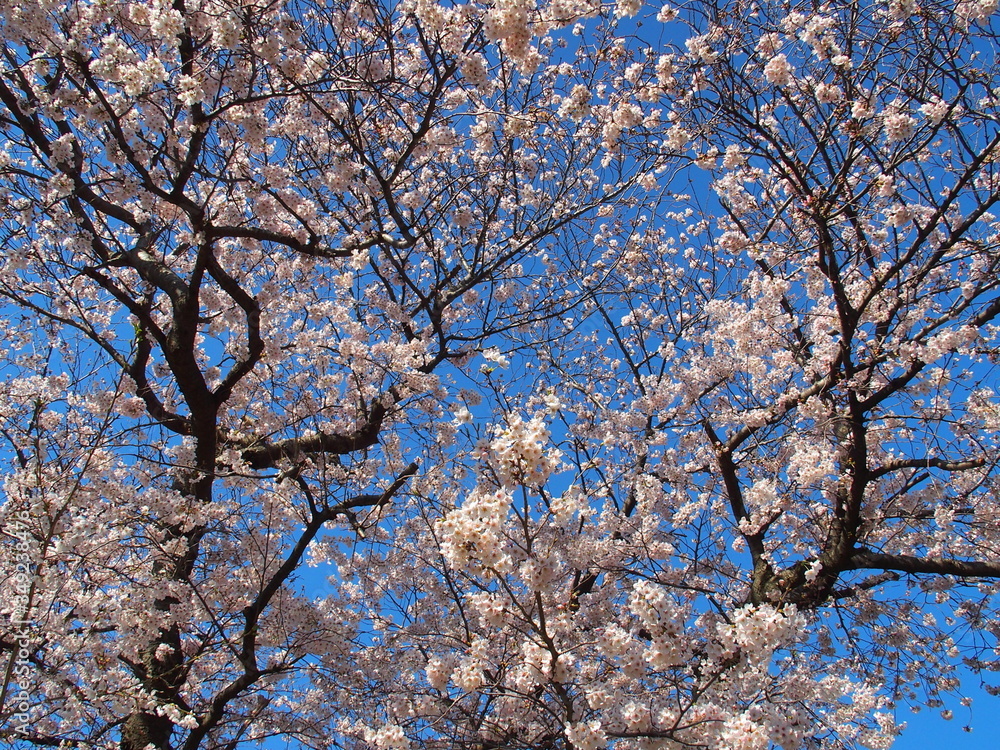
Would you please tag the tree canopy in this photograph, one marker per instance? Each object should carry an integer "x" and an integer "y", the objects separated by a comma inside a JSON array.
[{"x": 549, "y": 375}]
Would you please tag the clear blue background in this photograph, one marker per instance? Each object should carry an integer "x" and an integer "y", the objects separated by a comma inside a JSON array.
[{"x": 928, "y": 730}]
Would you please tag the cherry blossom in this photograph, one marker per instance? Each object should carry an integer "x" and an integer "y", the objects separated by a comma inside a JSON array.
[{"x": 518, "y": 374}]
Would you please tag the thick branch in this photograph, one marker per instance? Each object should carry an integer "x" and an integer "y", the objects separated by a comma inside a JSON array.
[
  {"x": 730, "y": 477},
  {"x": 370, "y": 500},
  {"x": 927, "y": 462},
  {"x": 866, "y": 559},
  {"x": 267, "y": 455},
  {"x": 156, "y": 409},
  {"x": 251, "y": 310}
]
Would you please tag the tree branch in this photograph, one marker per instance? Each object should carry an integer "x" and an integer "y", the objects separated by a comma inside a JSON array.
[
  {"x": 927, "y": 462},
  {"x": 267, "y": 455},
  {"x": 866, "y": 559}
]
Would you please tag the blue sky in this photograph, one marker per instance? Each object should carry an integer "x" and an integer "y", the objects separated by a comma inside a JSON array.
[{"x": 927, "y": 729}]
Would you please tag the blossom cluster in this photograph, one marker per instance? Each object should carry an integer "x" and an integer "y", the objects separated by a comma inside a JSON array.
[
  {"x": 472, "y": 534},
  {"x": 522, "y": 454},
  {"x": 267, "y": 242},
  {"x": 509, "y": 22},
  {"x": 760, "y": 630},
  {"x": 576, "y": 106}
]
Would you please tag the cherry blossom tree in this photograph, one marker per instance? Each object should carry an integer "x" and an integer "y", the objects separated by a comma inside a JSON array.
[{"x": 522, "y": 375}]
